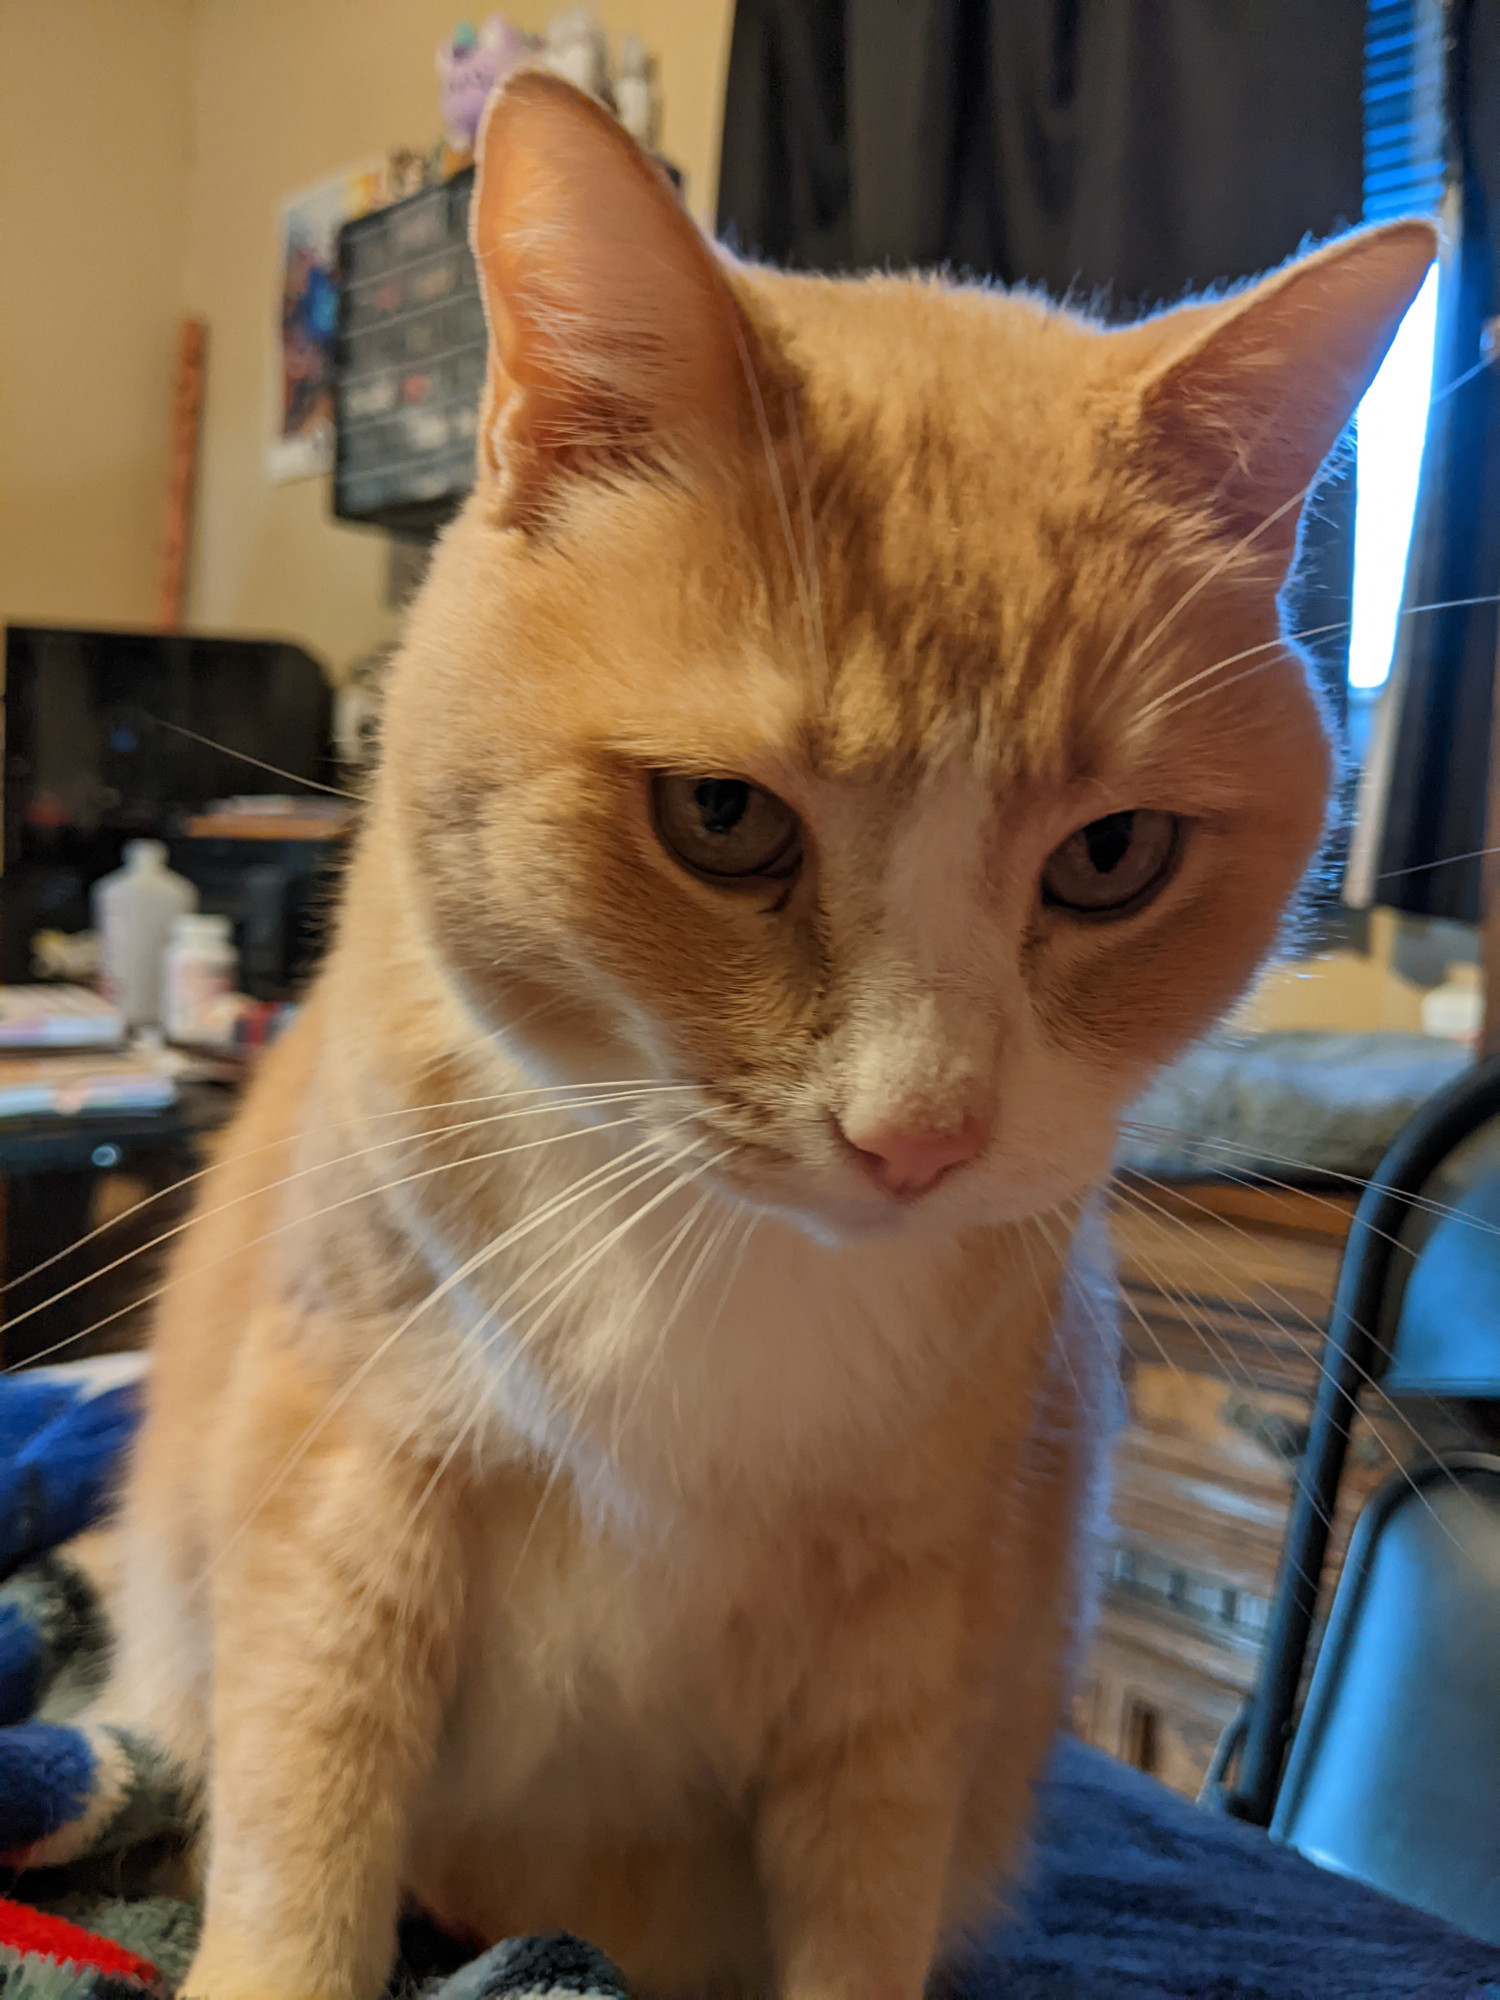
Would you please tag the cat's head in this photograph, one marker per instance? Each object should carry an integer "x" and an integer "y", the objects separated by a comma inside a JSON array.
[{"x": 865, "y": 701}]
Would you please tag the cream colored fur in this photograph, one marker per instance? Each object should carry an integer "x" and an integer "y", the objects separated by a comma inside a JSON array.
[{"x": 692, "y": 1555}]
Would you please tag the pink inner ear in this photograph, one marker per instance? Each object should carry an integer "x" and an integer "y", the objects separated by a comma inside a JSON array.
[
  {"x": 614, "y": 329},
  {"x": 1259, "y": 399}
]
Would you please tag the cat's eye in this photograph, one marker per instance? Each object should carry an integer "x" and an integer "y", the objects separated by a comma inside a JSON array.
[
  {"x": 726, "y": 829},
  {"x": 1113, "y": 866}
]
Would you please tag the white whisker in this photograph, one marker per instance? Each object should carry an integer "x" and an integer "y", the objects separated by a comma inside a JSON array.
[
  {"x": 1217, "y": 1346},
  {"x": 778, "y": 487},
  {"x": 583, "y": 1265},
  {"x": 314, "y": 1215},
  {"x": 804, "y": 488},
  {"x": 675, "y": 1238},
  {"x": 713, "y": 1239},
  {"x": 1213, "y": 570},
  {"x": 1254, "y": 1153},
  {"x": 469, "y": 1358},
  {"x": 1172, "y": 700},
  {"x": 644, "y": 1085},
  {"x": 1312, "y": 1354},
  {"x": 244, "y": 757},
  {"x": 319, "y": 1167},
  {"x": 496, "y": 1247}
]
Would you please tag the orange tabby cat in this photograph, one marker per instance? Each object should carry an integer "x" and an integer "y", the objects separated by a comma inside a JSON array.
[{"x": 846, "y": 743}]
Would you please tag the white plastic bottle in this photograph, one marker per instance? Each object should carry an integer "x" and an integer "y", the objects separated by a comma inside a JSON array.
[
  {"x": 199, "y": 973},
  {"x": 134, "y": 910}
]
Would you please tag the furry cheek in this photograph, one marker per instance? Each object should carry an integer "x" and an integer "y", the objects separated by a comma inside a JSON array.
[{"x": 544, "y": 898}]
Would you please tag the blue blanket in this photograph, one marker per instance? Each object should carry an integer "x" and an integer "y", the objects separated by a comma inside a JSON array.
[{"x": 1134, "y": 1894}]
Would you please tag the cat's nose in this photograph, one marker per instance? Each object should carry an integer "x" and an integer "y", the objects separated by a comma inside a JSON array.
[{"x": 908, "y": 1159}]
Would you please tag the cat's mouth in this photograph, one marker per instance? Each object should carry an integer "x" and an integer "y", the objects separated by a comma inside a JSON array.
[{"x": 829, "y": 1196}]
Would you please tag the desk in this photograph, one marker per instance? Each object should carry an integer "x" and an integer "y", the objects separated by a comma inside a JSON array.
[{"x": 50, "y": 1167}]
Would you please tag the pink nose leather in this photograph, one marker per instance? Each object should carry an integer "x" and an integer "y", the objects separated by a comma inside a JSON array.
[{"x": 907, "y": 1160}]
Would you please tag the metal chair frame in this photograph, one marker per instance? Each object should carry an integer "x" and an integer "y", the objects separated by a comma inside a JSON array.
[{"x": 1354, "y": 1357}]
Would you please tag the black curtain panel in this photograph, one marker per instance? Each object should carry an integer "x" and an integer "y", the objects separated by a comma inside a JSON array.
[
  {"x": 1434, "y": 809},
  {"x": 1134, "y": 148},
  {"x": 1119, "y": 152}
]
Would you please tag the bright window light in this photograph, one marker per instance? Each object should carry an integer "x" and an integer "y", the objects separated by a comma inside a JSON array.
[{"x": 1392, "y": 423}]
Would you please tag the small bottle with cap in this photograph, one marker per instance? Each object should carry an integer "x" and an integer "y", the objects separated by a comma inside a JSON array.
[
  {"x": 198, "y": 976},
  {"x": 134, "y": 911}
]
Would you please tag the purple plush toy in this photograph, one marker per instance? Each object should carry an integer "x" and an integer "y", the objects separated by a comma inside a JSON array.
[{"x": 469, "y": 65}]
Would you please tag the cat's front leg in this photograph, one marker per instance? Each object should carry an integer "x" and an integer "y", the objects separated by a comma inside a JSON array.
[
  {"x": 335, "y": 1616},
  {"x": 859, "y": 1812}
]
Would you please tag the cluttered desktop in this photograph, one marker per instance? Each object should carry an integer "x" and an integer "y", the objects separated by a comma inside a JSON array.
[{"x": 173, "y": 833}]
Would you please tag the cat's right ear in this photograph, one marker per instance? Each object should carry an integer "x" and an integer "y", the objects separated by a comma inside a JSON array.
[{"x": 615, "y": 339}]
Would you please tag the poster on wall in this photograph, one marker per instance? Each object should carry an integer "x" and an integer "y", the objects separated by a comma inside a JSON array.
[{"x": 310, "y": 222}]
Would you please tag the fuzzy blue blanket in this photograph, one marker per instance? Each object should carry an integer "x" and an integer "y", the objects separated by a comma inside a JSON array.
[{"x": 1134, "y": 1894}]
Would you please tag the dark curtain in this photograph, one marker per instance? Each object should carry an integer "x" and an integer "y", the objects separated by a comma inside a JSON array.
[
  {"x": 1141, "y": 147},
  {"x": 1123, "y": 152},
  {"x": 1435, "y": 805}
]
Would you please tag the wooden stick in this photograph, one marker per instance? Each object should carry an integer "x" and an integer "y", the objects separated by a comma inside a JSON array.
[{"x": 182, "y": 481}]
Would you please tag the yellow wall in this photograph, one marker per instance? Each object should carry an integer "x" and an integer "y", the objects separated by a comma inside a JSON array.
[
  {"x": 95, "y": 126},
  {"x": 145, "y": 147},
  {"x": 286, "y": 92}
]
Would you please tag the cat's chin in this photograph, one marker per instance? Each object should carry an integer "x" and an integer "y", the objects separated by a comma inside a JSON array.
[
  {"x": 836, "y": 1219},
  {"x": 839, "y": 1223},
  {"x": 835, "y": 1214},
  {"x": 831, "y": 1217}
]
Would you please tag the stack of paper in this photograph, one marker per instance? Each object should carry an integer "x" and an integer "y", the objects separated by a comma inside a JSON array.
[
  {"x": 70, "y": 1084},
  {"x": 57, "y": 1017}
]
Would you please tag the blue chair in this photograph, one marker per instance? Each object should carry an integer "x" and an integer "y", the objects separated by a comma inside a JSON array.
[{"x": 1391, "y": 1772}]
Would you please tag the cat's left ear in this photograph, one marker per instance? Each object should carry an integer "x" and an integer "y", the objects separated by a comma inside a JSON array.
[
  {"x": 1253, "y": 392},
  {"x": 615, "y": 339}
]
